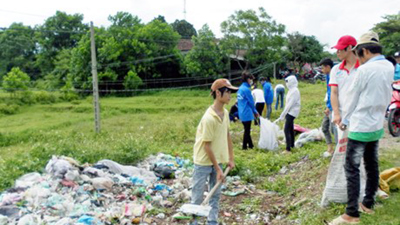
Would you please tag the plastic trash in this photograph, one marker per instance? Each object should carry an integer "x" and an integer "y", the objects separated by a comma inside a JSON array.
[
  {"x": 10, "y": 198},
  {"x": 102, "y": 183},
  {"x": 233, "y": 193},
  {"x": 9, "y": 211},
  {"x": 87, "y": 220},
  {"x": 58, "y": 167},
  {"x": 3, "y": 220},
  {"x": 28, "y": 180}
]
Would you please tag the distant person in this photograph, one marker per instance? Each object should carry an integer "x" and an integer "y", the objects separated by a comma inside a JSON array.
[
  {"x": 234, "y": 113},
  {"x": 291, "y": 111},
  {"x": 397, "y": 71},
  {"x": 368, "y": 97},
  {"x": 328, "y": 128},
  {"x": 213, "y": 147},
  {"x": 258, "y": 96},
  {"x": 280, "y": 95},
  {"x": 268, "y": 94},
  {"x": 247, "y": 109}
]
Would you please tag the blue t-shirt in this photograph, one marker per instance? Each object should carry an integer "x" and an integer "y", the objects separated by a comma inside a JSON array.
[
  {"x": 397, "y": 72},
  {"x": 268, "y": 93},
  {"x": 246, "y": 106},
  {"x": 328, "y": 93}
]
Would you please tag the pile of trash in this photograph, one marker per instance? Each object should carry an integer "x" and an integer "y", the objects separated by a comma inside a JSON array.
[{"x": 104, "y": 193}]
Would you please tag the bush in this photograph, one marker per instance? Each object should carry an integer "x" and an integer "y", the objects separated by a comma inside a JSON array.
[
  {"x": 45, "y": 97},
  {"x": 8, "y": 109}
]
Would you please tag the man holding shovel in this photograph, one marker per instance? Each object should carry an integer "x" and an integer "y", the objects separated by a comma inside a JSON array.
[{"x": 213, "y": 147}]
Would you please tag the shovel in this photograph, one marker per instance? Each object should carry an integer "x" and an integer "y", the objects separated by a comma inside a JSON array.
[{"x": 203, "y": 209}]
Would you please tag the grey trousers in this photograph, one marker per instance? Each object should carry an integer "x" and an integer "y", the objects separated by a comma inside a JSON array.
[{"x": 328, "y": 128}]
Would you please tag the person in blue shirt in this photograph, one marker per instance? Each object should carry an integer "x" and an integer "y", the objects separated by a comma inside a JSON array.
[
  {"x": 246, "y": 108},
  {"x": 328, "y": 128},
  {"x": 397, "y": 68},
  {"x": 268, "y": 94}
]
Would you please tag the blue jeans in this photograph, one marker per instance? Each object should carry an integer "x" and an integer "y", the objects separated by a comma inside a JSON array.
[
  {"x": 269, "y": 110},
  {"x": 280, "y": 94},
  {"x": 356, "y": 150},
  {"x": 200, "y": 176}
]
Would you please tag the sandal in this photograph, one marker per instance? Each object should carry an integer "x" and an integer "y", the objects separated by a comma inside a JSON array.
[
  {"x": 362, "y": 208},
  {"x": 339, "y": 220}
]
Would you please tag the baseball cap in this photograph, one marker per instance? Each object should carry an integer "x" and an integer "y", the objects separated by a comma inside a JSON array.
[
  {"x": 220, "y": 83},
  {"x": 397, "y": 54},
  {"x": 345, "y": 41},
  {"x": 369, "y": 37}
]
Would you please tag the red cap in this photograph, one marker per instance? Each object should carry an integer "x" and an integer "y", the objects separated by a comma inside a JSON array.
[{"x": 345, "y": 41}]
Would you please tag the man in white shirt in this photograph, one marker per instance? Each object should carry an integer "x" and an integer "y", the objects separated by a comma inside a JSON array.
[
  {"x": 364, "y": 113},
  {"x": 258, "y": 96},
  {"x": 342, "y": 75}
]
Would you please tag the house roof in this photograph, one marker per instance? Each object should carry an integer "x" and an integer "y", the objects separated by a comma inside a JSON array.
[{"x": 185, "y": 45}]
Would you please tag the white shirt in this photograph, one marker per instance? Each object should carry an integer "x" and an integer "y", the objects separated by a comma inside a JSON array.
[
  {"x": 258, "y": 96},
  {"x": 342, "y": 78},
  {"x": 292, "y": 106},
  {"x": 369, "y": 96}
]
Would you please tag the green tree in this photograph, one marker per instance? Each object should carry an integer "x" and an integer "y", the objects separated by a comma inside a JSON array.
[
  {"x": 257, "y": 34},
  {"x": 127, "y": 45},
  {"x": 61, "y": 31},
  {"x": 389, "y": 33},
  {"x": 17, "y": 49},
  {"x": 16, "y": 80},
  {"x": 184, "y": 28},
  {"x": 304, "y": 49},
  {"x": 205, "y": 58}
]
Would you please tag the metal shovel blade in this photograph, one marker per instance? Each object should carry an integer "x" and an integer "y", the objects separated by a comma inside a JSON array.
[{"x": 198, "y": 210}]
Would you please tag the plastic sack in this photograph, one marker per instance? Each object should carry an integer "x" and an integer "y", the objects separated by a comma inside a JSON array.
[
  {"x": 336, "y": 183},
  {"x": 309, "y": 136},
  {"x": 268, "y": 135}
]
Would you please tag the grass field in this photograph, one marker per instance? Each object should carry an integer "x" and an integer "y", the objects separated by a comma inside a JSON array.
[{"x": 134, "y": 127}]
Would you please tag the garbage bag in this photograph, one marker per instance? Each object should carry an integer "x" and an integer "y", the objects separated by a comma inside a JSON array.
[
  {"x": 336, "y": 184},
  {"x": 268, "y": 135},
  {"x": 164, "y": 172},
  {"x": 57, "y": 167},
  {"x": 309, "y": 136}
]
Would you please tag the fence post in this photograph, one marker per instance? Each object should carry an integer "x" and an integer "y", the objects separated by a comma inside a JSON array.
[{"x": 96, "y": 100}]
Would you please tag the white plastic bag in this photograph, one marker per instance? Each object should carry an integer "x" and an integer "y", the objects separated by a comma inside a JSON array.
[
  {"x": 268, "y": 135},
  {"x": 309, "y": 136},
  {"x": 336, "y": 183}
]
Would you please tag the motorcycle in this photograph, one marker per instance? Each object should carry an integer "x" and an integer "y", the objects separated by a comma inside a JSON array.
[{"x": 394, "y": 111}]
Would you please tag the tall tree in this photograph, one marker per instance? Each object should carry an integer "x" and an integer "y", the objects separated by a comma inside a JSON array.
[
  {"x": 17, "y": 49},
  {"x": 184, "y": 28},
  {"x": 256, "y": 33},
  {"x": 205, "y": 58},
  {"x": 389, "y": 33},
  {"x": 61, "y": 31},
  {"x": 126, "y": 48},
  {"x": 304, "y": 49}
]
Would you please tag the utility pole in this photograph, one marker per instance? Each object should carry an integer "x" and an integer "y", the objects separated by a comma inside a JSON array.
[
  {"x": 274, "y": 71},
  {"x": 96, "y": 101}
]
